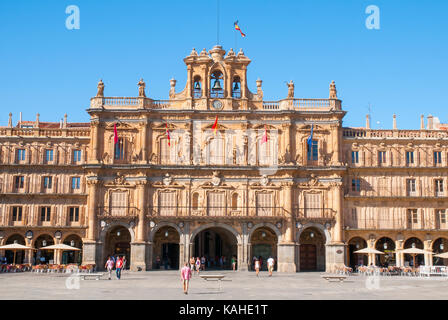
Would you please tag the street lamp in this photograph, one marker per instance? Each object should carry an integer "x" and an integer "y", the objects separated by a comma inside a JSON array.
[
  {"x": 263, "y": 234},
  {"x": 385, "y": 246},
  {"x": 72, "y": 243},
  {"x": 357, "y": 246},
  {"x": 44, "y": 243},
  {"x": 441, "y": 246},
  {"x": 166, "y": 234},
  {"x": 413, "y": 245},
  {"x": 312, "y": 234},
  {"x": 118, "y": 233}
]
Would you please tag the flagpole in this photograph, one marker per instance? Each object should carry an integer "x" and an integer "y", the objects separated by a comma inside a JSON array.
[{"x": 217, "y": 23}]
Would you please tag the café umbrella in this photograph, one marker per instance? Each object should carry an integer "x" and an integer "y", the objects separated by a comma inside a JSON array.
[
  {"x": 413, "y": 252},
  {"x": 61, "y": 247},
  {"x": 14, "y": 247},
  {"x": 369, "y": 251},
  {"x": 442, "y": 255}
]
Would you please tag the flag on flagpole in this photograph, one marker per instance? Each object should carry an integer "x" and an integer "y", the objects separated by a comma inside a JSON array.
[
  {"x": 237, "y": 27},
  {"x": 215, "y": 125},
  {"x": 265, "y": 136},
  {"x": 115, "y": 134},
  {"x": 168, "y": 135},
  {"x": 310, "y": 138}
]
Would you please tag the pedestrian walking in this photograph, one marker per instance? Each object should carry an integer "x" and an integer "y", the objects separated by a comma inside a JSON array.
[
  {"x": 257, "y": 266},
  {"x": 118, "y": 267},
  {"x": 192, "y": 264},
  {"x": 270, "y": 266},
  {"x": 185, "y": 276},
  {"x": 203, "y": 263},
  {"x": 198, "y": 265},
  {"x": 233, "y": 263},
  {"x": 109, "y": 266}
]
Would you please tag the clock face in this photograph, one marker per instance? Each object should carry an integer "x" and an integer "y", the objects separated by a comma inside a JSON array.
[{"x": 217, "y": 105}]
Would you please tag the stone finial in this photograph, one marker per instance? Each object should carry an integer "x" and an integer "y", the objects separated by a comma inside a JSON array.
[
  {"x": 141, "y": 88},
  {"x": 241, "y": 53},
  {"x": 395, "y": 122},
  {"x": 65, "y": 121},
  {"x": 37, "y": 120},
  {"x": 230, "y": 53},
  {"x": 422, "y": 122},
  {"x": 259, "y": 89},
  {"x": 430, "y": 122},
  {"x": 290, "y": 85},
  {"x": 204, "y": 52},
  {"x": 172, "y": 87},
  {"x": 368, "y": 121},
  {"x": 10, "y": 120},
  {"x": 333, "y": 91},
  {"x": 100, "y": 87},
  {"x": 193, "y": 53}
]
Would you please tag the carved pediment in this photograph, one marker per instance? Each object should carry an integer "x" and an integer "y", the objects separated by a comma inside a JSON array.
[{"x": 120, "y": 126}]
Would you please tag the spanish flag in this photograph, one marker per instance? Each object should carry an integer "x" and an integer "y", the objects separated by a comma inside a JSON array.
[
  {"x": 237, "y": 27},
  {"x": 264, "y": 139},
  {"x": 215, "y": 125},
  {"x": 168, "y": 135},
  {"x": 115, "y": 134}
]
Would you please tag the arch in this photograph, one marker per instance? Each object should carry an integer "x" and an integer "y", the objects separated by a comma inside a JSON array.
[
  {"x": 160, "y": 225},
  {"x": 439, "y": 245},
  {"x": 321, "y": 228},
  {"x": 312, "y": 246},
  {"x": 216, "y": 225},
  {"x": 72, "y": 256},
  {"x": 166, "y": 243},
  {"x": 418, "y": 259},
  {"x": 354, "y": 244},
  {"x": 266, "y": 224},
  {"x": 14, "y": 237},
  {"x": 18, "y": 256},
  {"x": 114, "y": 224},
  {"x": 41, "y": 255}
]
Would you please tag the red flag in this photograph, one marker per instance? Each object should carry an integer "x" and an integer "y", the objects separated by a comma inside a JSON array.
[
  {"x": 168, "y": 135},
  {"x": 215, "y": 125},
  {"x": 265, "y": 136},
  {"x": 115, "y": 134}
]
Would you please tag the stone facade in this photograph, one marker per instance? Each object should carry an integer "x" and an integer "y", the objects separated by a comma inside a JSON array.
[{"x": 217, "y": 171}]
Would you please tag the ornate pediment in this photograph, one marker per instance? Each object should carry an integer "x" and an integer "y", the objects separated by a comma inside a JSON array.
[{"x": 120, "y": 126}]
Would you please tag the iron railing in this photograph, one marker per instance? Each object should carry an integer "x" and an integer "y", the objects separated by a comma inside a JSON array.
[
  {"x": 117, "y": 212},
  {"x": 221, "y": 211},
  {"x": 314, "y": 213}
]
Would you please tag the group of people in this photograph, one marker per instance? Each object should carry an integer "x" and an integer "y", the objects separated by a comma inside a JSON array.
[
  {"x": 257, "y": 264},
  {"x": 118, "y": 262}
]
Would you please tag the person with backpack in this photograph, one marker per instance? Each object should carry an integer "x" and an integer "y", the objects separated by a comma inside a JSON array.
[{"x": 118, "y": 267}]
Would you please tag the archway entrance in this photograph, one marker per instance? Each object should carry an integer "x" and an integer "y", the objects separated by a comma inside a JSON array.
[
  {"x": 408, "y": 259},
  {"x": 217, "y": 245},
  {"x": 386, "y": 245},
  {"x": 439, "y": 246},
  {"x": 356, "y": 259},
  {"x": 166, "y": 248},
  {"x": 264, "y": 245},
  {"x": 43, "y": 256},
  {"x": 118, "y": 243},
  {"x": 72, "y": 256},
  {"x": 312, "y": 250},
  {"x": 20, "y": 254}
]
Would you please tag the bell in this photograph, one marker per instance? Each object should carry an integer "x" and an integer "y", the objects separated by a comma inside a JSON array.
[
  {"x": 236, "y": 87},
  {"x": 197, "y": 86},
  {"x": 217, "y": 86}
]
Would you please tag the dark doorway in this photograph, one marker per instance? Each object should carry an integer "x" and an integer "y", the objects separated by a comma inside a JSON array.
[
  {"x": 170, "y": 255},
  {"x": 308, "y": 257}
]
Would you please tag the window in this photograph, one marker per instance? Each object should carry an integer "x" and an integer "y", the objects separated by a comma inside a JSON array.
[
  {"x": 313, "y": 205},
  {"x": 264, "y": 204},
  {"x": 410, "y": 188},
  {"x": 439, "y": 188},
  {"x": 76, "y": 156},
  {"x": 313, "y": 152},
  {"x": 48, "y": 181},
  {"x": 195, "y": 201},
  {"x": 167, "y": 203},
  {"x": 441, "y": 217},
  {"x": 235, "y": 201},
  {"x": 216, "y": 204},
  {"x": 197, "y": 91},
  {"x": 48, "y": 155},
  {"x": 166, "y": 151},
  {"x": 21, "y": 155},
  {"x": 437, "y": 157},
  {"x": 73, "y": 214},
  {"x": 16, "y": 213},
  {"x": 19, "y": 182},
  {"x": 76, "y": 183},
  {"x": 118, "y": 203},
  {"x": 355, "y": 157},
  {"x": 354, "y": 215},
  {"x": 381, "y": 157},
  {"x": 45, "y": 214},
  {"x": 412, "y": 217},
  {"x": 356, "y": 185},
  {"x": 119, "y": 149},
  {"x": 409, "y": 157},
  {"x": 216, "y": 81},
  {"x": 236, "y": 88},
  {"x": 266, "y": 152},
  {"x": 216, "y": 151}
]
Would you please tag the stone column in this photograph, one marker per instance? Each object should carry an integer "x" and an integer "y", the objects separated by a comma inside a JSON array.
[
  {"x": 145, "y": 141},
  {"x": 336, "y": 144},
  {"x": 90, "y": 244},
  {"x": 399, "y": 257},
  {"x": 138, "y": 247},
  {"x": 243, "y": 250},
  {"x": 94, "y": 143},
  {"x": 286, "y": 248},
  {"x": 428, "y": 256},
  {"x": 338, "y": 232}
]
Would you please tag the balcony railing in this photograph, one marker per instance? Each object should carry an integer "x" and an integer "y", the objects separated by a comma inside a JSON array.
[
  {"x": 314, "y": 213},
  {"x": 227, "y": 212},
  {"x": 394, "y": 224},
  {"x": 117, "y": 212},
  {"x": 403, "y": 134}
]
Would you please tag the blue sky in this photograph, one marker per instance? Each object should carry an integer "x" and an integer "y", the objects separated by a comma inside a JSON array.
[{"x": 400, "y": 68}]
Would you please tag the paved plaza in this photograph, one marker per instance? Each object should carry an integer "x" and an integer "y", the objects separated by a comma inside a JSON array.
[{"x": 166, "y": 285}]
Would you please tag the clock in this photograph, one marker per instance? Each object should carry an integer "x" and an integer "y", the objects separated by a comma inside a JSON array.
[{"x": 217, "y": 105}]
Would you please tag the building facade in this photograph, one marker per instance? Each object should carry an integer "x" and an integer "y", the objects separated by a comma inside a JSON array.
[{"x": 216, "y": 171}]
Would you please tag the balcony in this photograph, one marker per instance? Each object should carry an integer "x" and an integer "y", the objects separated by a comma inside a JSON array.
[
  {"x": 274, "y": 213},
  {"x": 394, "y": 224},
  {"x": 314, "y": 214},
  {"x": 117, "y": 213}
]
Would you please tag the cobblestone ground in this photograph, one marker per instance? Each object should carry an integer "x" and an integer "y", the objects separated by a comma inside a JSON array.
[{"x": 166, "y": 285}]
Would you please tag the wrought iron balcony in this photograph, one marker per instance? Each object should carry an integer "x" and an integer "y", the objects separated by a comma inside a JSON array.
[
  {"x": 394, "y": 224},
  {"x": 217, "y": 212},
  {"x": 314, "y": 214},
  {"x": 116, "y": 212}
]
